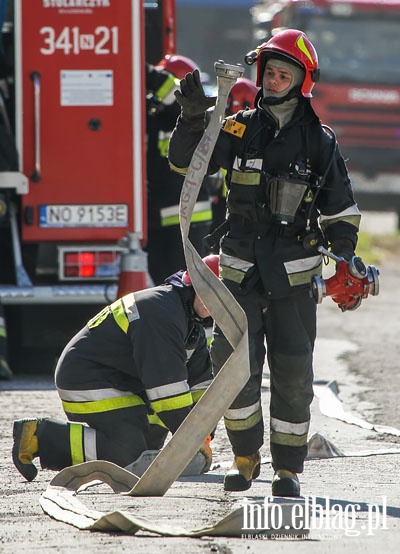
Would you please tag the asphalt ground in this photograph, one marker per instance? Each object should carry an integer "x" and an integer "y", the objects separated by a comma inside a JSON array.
[{"x": 354, "y": 498}]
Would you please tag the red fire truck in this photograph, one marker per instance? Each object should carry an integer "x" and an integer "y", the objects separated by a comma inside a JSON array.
[
  {"x": 72, "y": 216},
  {"x": 358, "y": 45}
]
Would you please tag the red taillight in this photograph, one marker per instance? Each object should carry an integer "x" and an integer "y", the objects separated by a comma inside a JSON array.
[
  {"x": 80, "y": 264},
  {"x": 90, "y": 265}
]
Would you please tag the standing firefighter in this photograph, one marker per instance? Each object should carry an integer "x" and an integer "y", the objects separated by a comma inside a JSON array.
[
  {"x": 132, "y": 374},
  {"x": 288, "y": 193}
]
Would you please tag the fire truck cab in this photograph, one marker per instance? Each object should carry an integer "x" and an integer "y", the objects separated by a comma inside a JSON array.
[{"x": 73, "y": 204}]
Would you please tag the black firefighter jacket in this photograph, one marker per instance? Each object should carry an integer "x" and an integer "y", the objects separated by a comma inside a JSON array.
[
  {"x": 256, "y": 157},
  {"x": 146, "y": 342}
]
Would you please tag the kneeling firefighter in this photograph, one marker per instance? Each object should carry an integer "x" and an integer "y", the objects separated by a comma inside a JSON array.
[
  {"x": 288, "y": 193},
  {"x": 131, "y": 375}
]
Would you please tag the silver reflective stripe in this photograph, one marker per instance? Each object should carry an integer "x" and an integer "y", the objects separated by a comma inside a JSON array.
[
  {"x": 233, "y": 269},
  {"x": 279, "y": 426},
  {"x": 304, "y": 264},
  {"x": 89, "y": 444},
  {"x": 235, "y": 263},
  {"x": 201, "y": 386},
  {"x": 164, "y": 135},
  {"x": 173, "y": 389},
  {"x": 243, "y": 413},
  {"x": 189, "y": 353},
  {"x": 132, "y": 313},
  {"x": 353, "y": 210},
  {"x": 91, "y": 395},
  {"x": 174, "y": 210},
  {"x": 250, "y": 164}
]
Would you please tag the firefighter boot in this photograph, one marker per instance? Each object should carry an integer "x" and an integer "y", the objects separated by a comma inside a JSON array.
[
  {"x": 26, "y": 447},
  {"x": 285, "y": 483},
  {"x": 244, "y": 469}
]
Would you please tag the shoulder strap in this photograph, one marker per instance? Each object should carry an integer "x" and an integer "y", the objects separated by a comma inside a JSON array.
[{"x": 251, "y": 141}]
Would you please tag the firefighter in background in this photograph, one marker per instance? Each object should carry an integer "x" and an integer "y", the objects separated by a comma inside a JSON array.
[
  {"x": 130, "y": 376},
  {"x": 288, "y": 192},
  {"x": 8, "y": 162},
  {"x": 164, "y": 245}
]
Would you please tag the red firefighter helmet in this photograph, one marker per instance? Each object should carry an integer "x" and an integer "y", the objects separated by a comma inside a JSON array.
[
  {"x": 177, "y": 65},
  {"x": 295, "y": 46},
  {"x": 241, "y": 96},
  {"x": 211, "y": 261}
]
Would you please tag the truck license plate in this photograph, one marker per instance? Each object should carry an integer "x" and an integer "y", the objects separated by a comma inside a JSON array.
[{"x": 83, "y": 215}]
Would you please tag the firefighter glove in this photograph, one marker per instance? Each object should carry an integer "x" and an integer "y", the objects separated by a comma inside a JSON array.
[
  {"x": 193, "y": 100},
  {"x": 343, "y": 248}
]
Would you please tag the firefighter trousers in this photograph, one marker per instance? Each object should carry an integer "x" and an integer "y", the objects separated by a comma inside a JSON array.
[
  {"x": 288, "y": 327},
  {"x": 119, "y": 436}
]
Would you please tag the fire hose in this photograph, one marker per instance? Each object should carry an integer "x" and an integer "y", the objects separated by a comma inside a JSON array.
[
  {"x": 351, "y": 283},
  {"x": 223, "y": 308}
]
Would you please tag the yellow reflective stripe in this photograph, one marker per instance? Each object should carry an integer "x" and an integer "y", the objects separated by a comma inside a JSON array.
[
  {"x": 173, "y": 403},
  {"x": 155, "y": 420},
  {"x": 245, "y": 178},
  {"x": 118, "y": 312},
  {"x": 76, "y": 443},
  {"x": 166, "y": 87},
  {"x": 231, "y": 274},
  {"x": 3, "y": 332},
  {"x": 349, "y": 215},
  {"x": 243, "y": 424},
  {"x": 180, "y": 170},
  {"x": 197, "y": 394},
  {"x": 163, "y": 147},
  {"x": 304, "y": 277},
  {"x": 352, "y": 219},
  {"x": 98, "y": 318},
  {"x": 233, "y": 268},
  {"x": 288, "y": 440},
  {"x": 106, "y": 405},
  {"x": 205, "y": 215}
]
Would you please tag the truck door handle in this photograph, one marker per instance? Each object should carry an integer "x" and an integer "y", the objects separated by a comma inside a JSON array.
[{"x": 35, "y": 76}]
